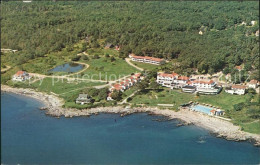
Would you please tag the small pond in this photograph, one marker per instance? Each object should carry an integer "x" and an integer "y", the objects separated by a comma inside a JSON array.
[{"x": 68, "y": 67}]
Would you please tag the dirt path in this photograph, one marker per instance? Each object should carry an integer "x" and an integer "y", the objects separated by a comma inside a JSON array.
[
  {"x": 128, "y": 60},
  {"x": 5, "y": 69}
]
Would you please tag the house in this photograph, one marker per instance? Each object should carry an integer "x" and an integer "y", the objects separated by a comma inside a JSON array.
[
  {"x": 218, "y": 112},
  {"x": 27, "y": 1},
  {"x": 203, "y": 84},
  {"x": 117, "y": 47},
  {"x": 188, "y": 89},
  {"x": 146, "y": 59},
  {"x": 109, "y": 45},
  {"x": 253, "y": 84},
  {"x": 109, "y": 97},
  {"x": 209, "y": 91},
  {"x": 181, "y": 81},
  {"x": 166, "y": 79},
  {"x": 236, "y": 89},
  {"x": 83, "y": 99},
  {"x": 117, "y": 87},
  {"x": 21, "y": 76},
  {"x": 253, "y": 23},
  {"x": 239, "y": 68},
  {"x": 200, "y": 32}
]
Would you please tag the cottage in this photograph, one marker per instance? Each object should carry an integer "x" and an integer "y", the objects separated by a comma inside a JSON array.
[
  {"x": 83, "y": 99},
  {"x": 146, "y": 59},
  {"x": 236, "y": 89},
  {"x": 21, "y": 76},
  {"x": 253, "y": 84}
]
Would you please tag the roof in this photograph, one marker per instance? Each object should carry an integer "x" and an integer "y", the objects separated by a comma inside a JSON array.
[
  {"x": 238, "y": 67},
  {"x": 168, "y": 75},
  {"x": 253, "y": 82},
  {"x": 213, "y": 110},
  {"x": 84, "y": 95},
  {"x": 203, "y": 82},
  {"x": 183, "y": 78},
  {"x": 20, "y": 73},
  {"x": 117, "y": 87},
  {"x": 239, "y": 86}
]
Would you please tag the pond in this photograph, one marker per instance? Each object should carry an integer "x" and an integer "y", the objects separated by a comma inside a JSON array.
[{"x": 68, "y": 67}]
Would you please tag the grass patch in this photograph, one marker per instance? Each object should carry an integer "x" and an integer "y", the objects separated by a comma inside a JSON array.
[
  {"x": 145, "y": 66},
  {"x": 104, "y": 69}
]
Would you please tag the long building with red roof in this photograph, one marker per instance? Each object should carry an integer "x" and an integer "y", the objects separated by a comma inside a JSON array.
[{"x": 146, "y": 59}]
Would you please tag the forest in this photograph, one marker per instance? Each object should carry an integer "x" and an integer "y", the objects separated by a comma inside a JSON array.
[{"x": 167, "y": 30}]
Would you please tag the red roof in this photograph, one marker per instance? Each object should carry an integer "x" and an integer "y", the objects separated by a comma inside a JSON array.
[
  {"x": 238, "y": 67},
  {"x": 213, "y": 110},
  {"x": 239, "y": 86},
  {"x": 189, "y": 82},
  {"x": 168, "y": 75},
  {"x": 253, "y": 82},
  {"x": 117, "y": 87},
  {"x": 20, "y": 73},
  {"x": 203, "y": 82},
  {"x": 183, "y": 78},
  {"x": 122, "y": 83},
  {"x": 137, "y": 75}
]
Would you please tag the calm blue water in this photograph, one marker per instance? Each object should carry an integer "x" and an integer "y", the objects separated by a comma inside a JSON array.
[
  {"x": 202, "y": 108},
  {"x": 30, "y": 137},
  {"x": 68, "y": 67}
]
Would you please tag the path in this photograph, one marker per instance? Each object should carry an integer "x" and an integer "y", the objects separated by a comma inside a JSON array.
[
  {"x": 125, "y": 100},
  {"x": 5, "y": 69},
  {"x": 128, "y": 60}
]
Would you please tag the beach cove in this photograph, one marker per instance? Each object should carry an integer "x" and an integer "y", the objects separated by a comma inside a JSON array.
[{"x": 225, "y": 129}]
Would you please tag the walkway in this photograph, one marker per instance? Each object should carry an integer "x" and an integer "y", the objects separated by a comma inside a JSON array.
[{"x": 128, "y": 60}]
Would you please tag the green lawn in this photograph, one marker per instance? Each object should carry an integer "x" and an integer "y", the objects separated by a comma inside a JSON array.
[
  {"x": 104, "y": 69},
  {"x": 253, "y": 127},
  {"x": 145, "y": 65}
]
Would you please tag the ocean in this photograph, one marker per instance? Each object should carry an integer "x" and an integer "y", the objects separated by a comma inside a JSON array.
[{"x": 28, "y": 136}]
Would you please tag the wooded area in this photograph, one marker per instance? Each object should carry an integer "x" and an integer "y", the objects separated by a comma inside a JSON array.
[{"x": 161, "y": 29}]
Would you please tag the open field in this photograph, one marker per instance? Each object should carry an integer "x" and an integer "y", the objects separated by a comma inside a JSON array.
[{"x": 104, "y": 69}]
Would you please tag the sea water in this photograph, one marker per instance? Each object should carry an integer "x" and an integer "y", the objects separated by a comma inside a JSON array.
[{"x": 31, "y": 137}]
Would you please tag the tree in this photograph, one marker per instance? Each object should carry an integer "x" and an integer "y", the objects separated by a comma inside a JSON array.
[
  {"x": 116, "y": 95},
  {"x": 112, "y": 59},
  {"x": 238, "y": 107},
  {"x": 84, "y": 57}
]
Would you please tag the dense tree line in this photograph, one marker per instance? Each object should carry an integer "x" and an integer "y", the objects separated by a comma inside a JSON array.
[{"x": 161, "y": 29}]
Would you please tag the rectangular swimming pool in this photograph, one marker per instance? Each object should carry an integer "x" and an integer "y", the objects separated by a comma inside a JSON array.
[{"x": 201, "y": 108}]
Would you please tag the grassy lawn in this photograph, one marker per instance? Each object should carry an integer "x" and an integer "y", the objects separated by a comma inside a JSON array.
[
  {"x": 102, "y": 52},
  {"x": 253, "y": 127},
  {"x": 145, "y": 65},
  {"x": 104, "y": 69},
  {"x": 152, "y": 98}
]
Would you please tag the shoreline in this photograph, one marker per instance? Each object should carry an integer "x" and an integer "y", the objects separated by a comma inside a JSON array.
[{"x": 219, "y": 127}]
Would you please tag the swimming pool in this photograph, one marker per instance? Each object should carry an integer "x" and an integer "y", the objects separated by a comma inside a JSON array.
[{"x": 202, "y": 108}]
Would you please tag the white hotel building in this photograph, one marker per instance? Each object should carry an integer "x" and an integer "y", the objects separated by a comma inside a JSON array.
[{"x": 146, "y": 59}]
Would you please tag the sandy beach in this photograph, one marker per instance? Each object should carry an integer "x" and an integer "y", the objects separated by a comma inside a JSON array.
[{"x": 219, "y": 127}]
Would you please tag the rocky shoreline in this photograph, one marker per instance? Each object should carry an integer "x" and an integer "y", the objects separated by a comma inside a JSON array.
[{"x": 220, "y": 128}]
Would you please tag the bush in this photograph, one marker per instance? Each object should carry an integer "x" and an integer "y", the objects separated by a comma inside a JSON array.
[{"x": 239, "y": 106}]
